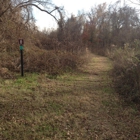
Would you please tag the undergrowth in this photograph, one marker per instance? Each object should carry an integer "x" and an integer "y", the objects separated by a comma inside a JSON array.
[
  {"x": 52, "y": 62},
  {"x": 126, "y": 73}
]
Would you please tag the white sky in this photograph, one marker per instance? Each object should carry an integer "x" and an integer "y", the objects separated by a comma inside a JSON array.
[{"x": 71, "y": 6}]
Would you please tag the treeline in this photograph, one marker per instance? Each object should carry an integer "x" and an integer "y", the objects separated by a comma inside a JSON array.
[{"x": 102, "y": 27}]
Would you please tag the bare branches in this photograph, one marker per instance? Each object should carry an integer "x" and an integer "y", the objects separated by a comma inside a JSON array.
[
  {"x": 18, "y": 5},
  {"x": 16, "y": 17},
  {"x": 41, "y": 5},
  {"x": 25, "y": 5},
  {"x": 3, "y": 12},
  {"x": 6, "y": 5},
  {"x": 135, "y": 2}
]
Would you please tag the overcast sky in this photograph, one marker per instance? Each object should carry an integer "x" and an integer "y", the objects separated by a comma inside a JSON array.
[{"x": 70, "y": 6}]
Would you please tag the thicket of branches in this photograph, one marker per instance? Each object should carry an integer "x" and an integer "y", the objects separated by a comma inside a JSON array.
[{"x": 53, "y": 52}]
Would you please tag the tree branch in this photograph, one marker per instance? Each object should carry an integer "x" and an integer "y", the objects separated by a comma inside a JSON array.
[
  {"x": 25, "y": 5},
  {"x": 1, "y": 14},
  {"x": 134, "y": 2}
]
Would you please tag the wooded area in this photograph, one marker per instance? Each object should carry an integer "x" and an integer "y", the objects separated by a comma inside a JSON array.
[
  {"x": 82, "y": 79},
  {"x": 108, "y": 30}
]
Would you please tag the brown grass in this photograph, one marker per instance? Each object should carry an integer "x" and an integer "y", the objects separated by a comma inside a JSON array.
[{"x": 77, "y": 106}]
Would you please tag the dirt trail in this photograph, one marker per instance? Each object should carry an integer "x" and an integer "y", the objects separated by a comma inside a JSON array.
[
  {"x": 108, "y": 117},
  {"x": 96, "y": 97}
]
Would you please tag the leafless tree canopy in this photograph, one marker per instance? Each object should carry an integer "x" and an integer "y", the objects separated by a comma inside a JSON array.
[{"x": 16, "y": 17}]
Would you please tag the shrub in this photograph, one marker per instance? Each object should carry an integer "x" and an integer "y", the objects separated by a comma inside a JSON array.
[
  {"x": 39, "y": 60},
  {"x": 126, "y": 73}
]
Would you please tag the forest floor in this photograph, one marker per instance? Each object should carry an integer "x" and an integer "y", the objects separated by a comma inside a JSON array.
[{"x": 75, "y": 106}]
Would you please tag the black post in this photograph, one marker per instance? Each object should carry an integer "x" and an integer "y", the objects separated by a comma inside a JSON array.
[
  {"x": 21, "y": 42},
  {"x": 21, "y": 53}
]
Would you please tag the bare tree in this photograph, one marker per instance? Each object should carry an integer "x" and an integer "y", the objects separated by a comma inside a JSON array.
[
  {"x": 111, "y": 24},
  {"x": 26, "y": 7},
  {"x": 16, "y": 16}
]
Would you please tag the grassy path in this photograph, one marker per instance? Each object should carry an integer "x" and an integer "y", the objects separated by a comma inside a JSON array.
[{"x": 77, "y": 106}]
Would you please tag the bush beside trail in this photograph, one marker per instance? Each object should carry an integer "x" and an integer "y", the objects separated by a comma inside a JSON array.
[
  {"x": 126, "y": 73},
  {"x": 40, "y": 60}
]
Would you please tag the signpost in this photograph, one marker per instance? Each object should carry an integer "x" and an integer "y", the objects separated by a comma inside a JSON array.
[{"x": 21, "y": 42}]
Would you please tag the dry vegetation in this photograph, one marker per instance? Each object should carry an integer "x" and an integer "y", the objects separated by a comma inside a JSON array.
[
  {"x": 52, "y": 52},
  {"x": 67, "y": 92},
  {"x": 126, "y": 73},
  {"x": 76, "y": 106}
]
